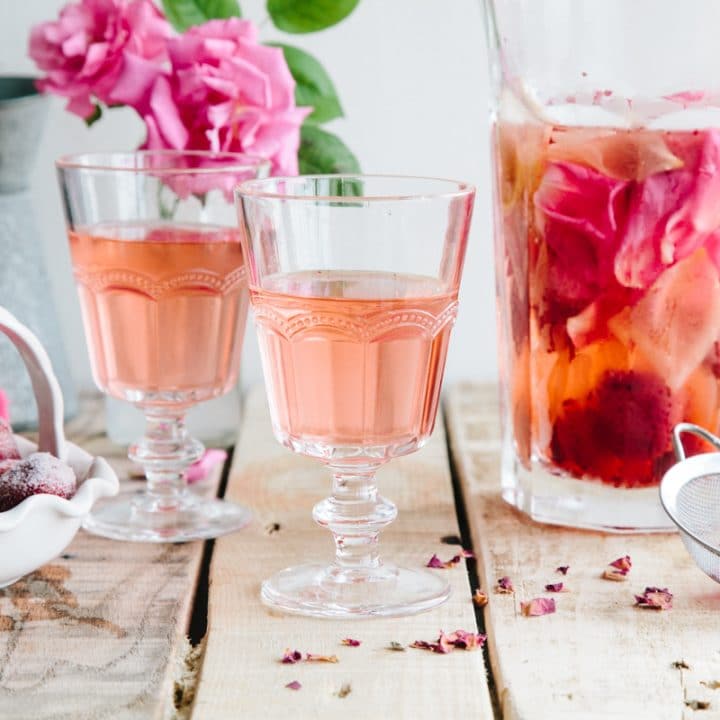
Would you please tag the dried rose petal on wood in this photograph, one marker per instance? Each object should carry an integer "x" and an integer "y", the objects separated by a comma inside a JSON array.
[
  {"x": 350, "y": 642},
  {"x": 655, "y": 599},
  {"x": 554, "y": 587},
  {"x": 562, "y": 569},
  {"x": 438, "y": 564},
  {"x": 622, "y": 563},
  {"x": 537, "y": 606},
  {"x": 504, "y": 585},
  {"x": 294, "y": 685},
  {"x": 615, "y": 575},
  {"x": 618, "y": 569},
  {"x": 480, "y": 598},
  {"x": 290, "y": 657},
  {"x": 447, "y": 642},
  {"x": 310, "y": 657}
]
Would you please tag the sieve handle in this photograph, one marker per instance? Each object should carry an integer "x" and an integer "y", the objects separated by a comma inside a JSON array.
[{"x": 681, "y": 428}]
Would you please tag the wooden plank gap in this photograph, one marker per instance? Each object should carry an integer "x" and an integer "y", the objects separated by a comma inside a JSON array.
[{"x": 471, "y": 563}]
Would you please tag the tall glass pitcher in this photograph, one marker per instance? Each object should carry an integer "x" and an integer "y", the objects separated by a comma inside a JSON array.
[{"x": 606, "y": 138}]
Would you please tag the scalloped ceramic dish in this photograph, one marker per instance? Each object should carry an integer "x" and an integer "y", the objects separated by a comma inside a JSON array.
[{"x": 42, "y": 526}]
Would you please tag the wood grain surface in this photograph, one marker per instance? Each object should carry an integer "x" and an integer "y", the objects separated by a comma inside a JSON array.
[
  {"x": 100, "y": 632},
  {"x": 242, "y": 675},
  {"x": 598, "y": 656}
]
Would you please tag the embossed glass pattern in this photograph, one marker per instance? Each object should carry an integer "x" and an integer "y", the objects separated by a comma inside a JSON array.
[
  {"x": 163, "y": 292},
  {"x": 354, "y": 282}
]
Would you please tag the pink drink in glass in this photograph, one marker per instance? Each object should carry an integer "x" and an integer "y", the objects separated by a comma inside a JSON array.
[
  {"x": 164, "y": 306},
  {"x": 353, "y": 360},
  {"x": 609, "y": 253}
]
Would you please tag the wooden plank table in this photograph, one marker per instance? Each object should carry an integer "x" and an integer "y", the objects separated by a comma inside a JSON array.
[{"x": 118, "y": 630}]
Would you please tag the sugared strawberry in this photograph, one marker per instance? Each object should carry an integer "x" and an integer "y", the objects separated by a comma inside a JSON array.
[
  {"x": 8, "y": 448},
  {"x": 37, "y": 473}
]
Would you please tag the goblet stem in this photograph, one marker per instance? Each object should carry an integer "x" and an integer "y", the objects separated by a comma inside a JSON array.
[
  {"x": 165, "y": 452},
  {"x": 355, "y": 514}
]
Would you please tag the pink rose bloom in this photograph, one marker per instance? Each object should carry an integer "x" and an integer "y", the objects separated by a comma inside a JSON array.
[
  {"x": 226, "y": 92},
  {"x": 104, "y": 50}
]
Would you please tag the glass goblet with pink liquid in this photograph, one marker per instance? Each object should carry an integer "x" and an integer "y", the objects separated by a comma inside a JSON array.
[
  {"x": 354, "y": 283},
  {"x": 161, "y": 277}
]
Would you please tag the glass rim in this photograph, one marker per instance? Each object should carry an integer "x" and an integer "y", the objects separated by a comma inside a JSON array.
[
  {"x": 254, "y": 188},
  {"x": 102, "y": 162}
]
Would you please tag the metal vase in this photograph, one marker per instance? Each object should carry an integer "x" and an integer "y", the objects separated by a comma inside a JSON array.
[{"x": 24, "y": 283}]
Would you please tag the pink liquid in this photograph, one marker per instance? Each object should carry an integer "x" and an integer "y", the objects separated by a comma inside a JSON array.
[
  {"x": 164, "y": 308},
  {"x": 609, "y": 248},
  {"x": 354, "y": 359}
]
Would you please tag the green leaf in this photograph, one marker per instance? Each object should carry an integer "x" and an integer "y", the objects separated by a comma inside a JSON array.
[
  {"x": 94, "y": 116},
  {"x": 303, "y": 16},
  {"x": 322, "y": 152},
  {"x": 313, "y": 86},
  {"x": 185, "y": 13}
]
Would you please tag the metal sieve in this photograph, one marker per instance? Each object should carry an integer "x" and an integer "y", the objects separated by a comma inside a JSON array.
[{"x": 690, "y": 494}]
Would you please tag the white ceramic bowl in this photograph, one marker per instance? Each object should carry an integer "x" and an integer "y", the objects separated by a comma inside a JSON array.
[{"x": 42, "y": 526}]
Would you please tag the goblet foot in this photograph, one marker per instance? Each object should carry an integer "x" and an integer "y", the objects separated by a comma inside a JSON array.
[
  {"x": 136, "y": 516},
  {"x": 332, "y": 591}
]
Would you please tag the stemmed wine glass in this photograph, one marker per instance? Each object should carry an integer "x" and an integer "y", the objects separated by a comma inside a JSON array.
[
  {"x": 354, "y": 283},
  {"x": 161, "y": 277}
]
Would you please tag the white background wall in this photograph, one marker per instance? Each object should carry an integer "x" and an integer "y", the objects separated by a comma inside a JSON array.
[{"x": 412, "y": 77}]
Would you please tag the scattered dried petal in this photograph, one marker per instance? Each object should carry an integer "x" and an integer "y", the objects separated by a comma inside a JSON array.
[
  {"x": 562, "y": 569},
  {"x": 438, "y": 564},
  {"x": 712, "y": 684},
  {"x": 554, "y": 587},
  {"x": 396, "y": 646},
  {"x": 467, "y": 553},
  {"x": 698, "y": 704},
  {"x": 680, "y": 665},
  {"x": 538, "y": 606},
  {"x": 435, "y": 562},
  {"x": 504, "y": 586},
  {"x": 290, "y": 657},
  {"x": 614, "y": 574},
  {"x": 655, "y": 599},
  {"x": 350, "y": 642},
  {"x": 622, "y": 563},
  {"x": 618, "y": 569},
  {"x": 345, "y": 690},
  {"x": 310, "y": 657},
  {"x": 480, "y": 598},
  {"x": 424, "y": 645},
  {"x": 294, "y": 685},
  {"x": 447, "y": 642}
]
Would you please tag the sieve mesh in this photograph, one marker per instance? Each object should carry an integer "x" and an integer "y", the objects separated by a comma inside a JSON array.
[{"x": 698, "y": 510}]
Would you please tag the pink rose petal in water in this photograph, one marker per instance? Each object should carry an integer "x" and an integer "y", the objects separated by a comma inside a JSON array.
[
  {"x": 672, "y": 213},
  {"x": 579, "y": 212}
]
